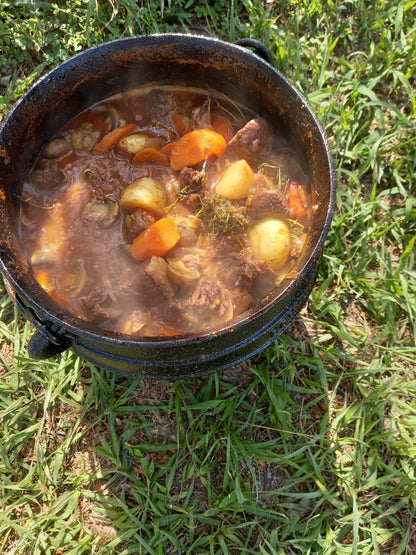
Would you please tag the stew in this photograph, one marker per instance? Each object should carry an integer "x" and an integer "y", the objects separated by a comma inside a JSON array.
[{"x": 163, "y": 211}]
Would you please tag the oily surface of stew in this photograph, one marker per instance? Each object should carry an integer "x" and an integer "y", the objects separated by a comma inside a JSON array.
[{"x": 164, "y": 211}]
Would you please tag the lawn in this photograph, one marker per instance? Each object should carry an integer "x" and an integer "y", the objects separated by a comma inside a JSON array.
[{"x": 308, "y": 447}]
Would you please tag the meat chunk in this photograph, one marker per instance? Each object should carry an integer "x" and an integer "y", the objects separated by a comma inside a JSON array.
[
  {"x": 191, "y": 181},
  {"x": 161, "y": 104},
  {"x": 84, "y": 137},
  {"x": 47, "y": 179},
  {"x": 100, "y": 305},
  {"x": 255, "y": 136},
  {"x": 268, "y": 203},
  {"x": 179, "y": 314},
  {"x": 209, "y": 294},
  {"x": 225, "y": 245},
  {"x": 136, "y": 286},
  {"x": 239, "y": 270},
  {"x": 209, "y": 304},
  {"x": 136, "y": 222}
]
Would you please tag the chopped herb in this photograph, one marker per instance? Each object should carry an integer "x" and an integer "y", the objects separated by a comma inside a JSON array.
[{"x": 220, "y": 215}]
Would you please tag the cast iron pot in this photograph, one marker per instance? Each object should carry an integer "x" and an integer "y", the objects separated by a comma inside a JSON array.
[{"x": 116, "y": 66}]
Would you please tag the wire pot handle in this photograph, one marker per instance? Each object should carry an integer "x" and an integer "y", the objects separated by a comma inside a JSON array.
[{"x": 259, "y": 48}]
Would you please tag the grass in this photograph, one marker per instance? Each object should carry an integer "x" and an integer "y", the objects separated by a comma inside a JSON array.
[{"x": 310, "y": 446}]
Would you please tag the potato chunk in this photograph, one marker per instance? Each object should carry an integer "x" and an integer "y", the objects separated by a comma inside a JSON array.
[
  {"x": 270, "y": 241},
  {"x": 236, "y": 181},
  {"x": 133, "y": 143},
  {"x": 144, "y": 193}
]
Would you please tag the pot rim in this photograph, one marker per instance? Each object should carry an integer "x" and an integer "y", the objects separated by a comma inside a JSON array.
[{"x": 71, "y": 324}]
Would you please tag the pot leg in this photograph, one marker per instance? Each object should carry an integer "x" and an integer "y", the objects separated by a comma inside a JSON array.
[{"x": 41, "y": 348}]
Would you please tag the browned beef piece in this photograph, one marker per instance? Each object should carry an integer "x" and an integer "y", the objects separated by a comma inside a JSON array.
[
  {"x": 160, "y": 105},
  {"x": 157, "y": 269},
  {"x": 239, "y": 269},
  {"x": 84, "y": 137},
  {"x": 180, "y": 314},
  {"x": 192, "y": 201},
  {"x": 145, "y": 285},
  {"x": 136, "y": 222},
  {"x": 251, "y": 139},
  {"x": 209, "y": 294},
  {"x": 268, "y": 203},
  {"x": 136, "y": 285},
  {"x": 47, "y": 179},
  {"x": 100, "y": 305},
  {"x": 207, "y": 304},
  {"x": 226, "y": 244},
  {"x": 191, "y": 181}
]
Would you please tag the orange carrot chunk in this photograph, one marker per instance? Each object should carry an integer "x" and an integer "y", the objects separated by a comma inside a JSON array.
[
  {"x": 167, "y": 149},
  {"x": 156, "y": 240},
  {"x": 296, "y": 206},
  {"x": 112, "y": 138},
  {"x": 195, "y": 147},
  {"x": 150, "y": 156}
]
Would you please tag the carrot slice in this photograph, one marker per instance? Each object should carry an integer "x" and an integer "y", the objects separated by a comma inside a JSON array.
[
  {"x": 156, "y": 240},
  {"x": 222, "y": 126},
  {"x": 296, "y": 206},
  {"x": 150, "y": 156},
  {"x": 167, "y": 149},
  {"x": 195, "y": 147},
  {"x": 111, "y": 138}
]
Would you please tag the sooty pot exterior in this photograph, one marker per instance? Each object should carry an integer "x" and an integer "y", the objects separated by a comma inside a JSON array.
[{"x": 116, "y": 66}]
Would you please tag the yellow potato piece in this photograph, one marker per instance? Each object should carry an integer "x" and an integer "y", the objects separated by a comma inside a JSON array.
[
  {"x": 135, "y": 142},
  {"x": 236, "y": 181},
  {"x": 144, "y": 193},
  {"x": 270, "y": 241}
]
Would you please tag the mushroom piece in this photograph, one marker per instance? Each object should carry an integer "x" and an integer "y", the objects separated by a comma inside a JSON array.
[
  {"x": 180, "y": 274},
  {"x": 72, "y": 283},
  {"x": 133, "y": 323},
  {"x": 113, "y": 117},
  {"x": 103, "y": 212},
  {"x": 187, "y": 230},
  {"x": 109, "y": 115},
  {"x": 44, "y": 256},
  {"x": 188, "y": 235}
]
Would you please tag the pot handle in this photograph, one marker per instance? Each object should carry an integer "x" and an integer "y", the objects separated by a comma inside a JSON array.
[
  {"x": 259, "y": 48},
  {"x": 48, "y": 340}
]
